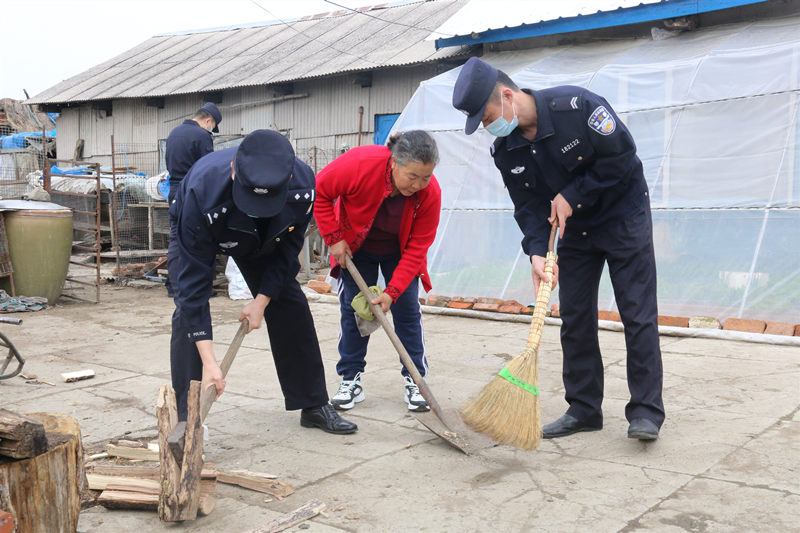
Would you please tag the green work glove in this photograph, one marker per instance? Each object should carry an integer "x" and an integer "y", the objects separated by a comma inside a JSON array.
[{"x": 361, "y": 306}]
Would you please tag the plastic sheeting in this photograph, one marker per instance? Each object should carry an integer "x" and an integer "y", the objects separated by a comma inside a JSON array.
[{"x": 716, "y": 119}]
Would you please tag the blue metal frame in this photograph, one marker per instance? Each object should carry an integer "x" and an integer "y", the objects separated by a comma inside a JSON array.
[{"x": 602, "y": 19}]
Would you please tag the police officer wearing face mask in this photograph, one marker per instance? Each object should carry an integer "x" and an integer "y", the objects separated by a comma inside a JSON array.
[
  {"x": 186, "y": 143},
  {"x": 564, "y": 155},
  {"x": 252, "y": 202}
]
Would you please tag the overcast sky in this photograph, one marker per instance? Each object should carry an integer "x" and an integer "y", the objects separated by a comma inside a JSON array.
[{"x": 43, "y": 42}]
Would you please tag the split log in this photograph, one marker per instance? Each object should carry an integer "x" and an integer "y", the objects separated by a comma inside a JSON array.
[
  {"x": 180, "y": 483},
  {"x": 44, "y": 492},
  {"x": 143, "y": 495},
  {"x": 121, "y": 492},
  {"x": 254, "y": 481},
  {"x": 130, "y": 452},
  {"x": 103, "y": 482},
  {"x": 301, "y": 514},
  {"x": 21, "y": 437},
  {"x": 144, "y": 472},
  {"x": 128, "y": 500}
]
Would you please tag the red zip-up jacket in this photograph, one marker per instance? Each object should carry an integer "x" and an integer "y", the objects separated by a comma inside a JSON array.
[{"x": 358, "y": 181}]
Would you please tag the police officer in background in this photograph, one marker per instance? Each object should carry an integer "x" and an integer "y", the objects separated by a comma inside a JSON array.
[
  {"x": 253, "y": 203},
  {"x": 186, "y": 143},
  {"x": 564, "y": 155}
]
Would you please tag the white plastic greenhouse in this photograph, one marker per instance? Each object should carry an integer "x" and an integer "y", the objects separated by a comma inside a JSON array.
[{"x": 715, "y": 116}]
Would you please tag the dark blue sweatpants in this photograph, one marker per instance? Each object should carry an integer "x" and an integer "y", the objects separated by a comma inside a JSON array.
[
  {"x": 627, "y": 246},
  {"x": 406, "y": 315}
]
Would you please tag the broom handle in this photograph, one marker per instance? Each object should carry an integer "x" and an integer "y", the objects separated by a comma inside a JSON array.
[
  {"x": 543, "y": 295},
  {"x": 407, "y": 362}
]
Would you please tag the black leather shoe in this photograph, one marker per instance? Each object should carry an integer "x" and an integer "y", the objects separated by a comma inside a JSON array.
[
  {"x": 566, "y": 425},
  {"x": 327, "y": 419},
  {"x": 642, "y": 429}
]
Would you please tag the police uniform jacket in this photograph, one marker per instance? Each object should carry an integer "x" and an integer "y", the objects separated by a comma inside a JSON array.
[
  {"x": 186, "y": 143},
  {"x": 208, "y": 223},
  {"x": 582, "y": 151}
]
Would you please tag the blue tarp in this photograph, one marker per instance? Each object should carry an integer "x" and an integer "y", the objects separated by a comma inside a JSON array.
[
  {"x": 56, "y": 171},
  {"x": 17, "y": 140}
]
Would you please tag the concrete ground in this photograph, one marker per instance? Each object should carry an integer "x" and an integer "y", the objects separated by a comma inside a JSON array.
[{"x": 727, "y": 459}]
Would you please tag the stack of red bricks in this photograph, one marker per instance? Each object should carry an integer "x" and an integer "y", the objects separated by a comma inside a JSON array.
[
  {"x": 136, "y": 270},
  {"x": 498, "y": 305}
]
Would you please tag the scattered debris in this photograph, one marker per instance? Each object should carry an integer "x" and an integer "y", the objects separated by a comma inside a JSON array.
[
  {"x": 301, "y": 514},
  {"x": 11, "y": 304},
  {"x": 96, "y": 456},
  {"x": 78, "y": 375}
]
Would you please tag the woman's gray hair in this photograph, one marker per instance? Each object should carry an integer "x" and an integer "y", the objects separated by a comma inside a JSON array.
[{"x": 414, "y": 145}]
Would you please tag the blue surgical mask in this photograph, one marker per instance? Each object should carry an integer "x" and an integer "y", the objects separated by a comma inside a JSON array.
[{"x": 501, "y": 127}]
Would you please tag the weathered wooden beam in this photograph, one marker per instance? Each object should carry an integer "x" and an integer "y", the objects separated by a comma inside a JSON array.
[
  {"x": 301, "y": 514},
  {"x": 21, "y": 437}
]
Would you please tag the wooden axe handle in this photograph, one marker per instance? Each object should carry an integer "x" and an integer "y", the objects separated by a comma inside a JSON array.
[{"x": 211, "y": 392}]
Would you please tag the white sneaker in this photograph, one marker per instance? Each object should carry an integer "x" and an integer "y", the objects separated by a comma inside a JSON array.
[
  {"x": 413, "y": 398},
  {"x": 350, "y": 393}
]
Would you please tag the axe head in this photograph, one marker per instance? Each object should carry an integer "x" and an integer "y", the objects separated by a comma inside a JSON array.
[{"x": 177, "y": 440}]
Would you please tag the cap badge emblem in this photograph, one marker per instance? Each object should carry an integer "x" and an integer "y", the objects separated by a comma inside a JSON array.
[{"x": 259, "y": 190}]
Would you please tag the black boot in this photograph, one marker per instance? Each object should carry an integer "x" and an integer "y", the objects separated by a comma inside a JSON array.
[{"x": 327, "y": 419}]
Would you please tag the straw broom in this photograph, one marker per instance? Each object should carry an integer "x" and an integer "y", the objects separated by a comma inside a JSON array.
[{"x": 507, "y": 409}]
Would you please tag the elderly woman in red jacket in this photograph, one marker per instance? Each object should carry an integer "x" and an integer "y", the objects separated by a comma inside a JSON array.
[{"x": 380, "y": 206}]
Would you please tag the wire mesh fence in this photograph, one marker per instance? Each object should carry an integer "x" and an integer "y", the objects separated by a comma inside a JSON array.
[
  {"x": 19, "y": 165},
  {"x": 138, "y": 209}
]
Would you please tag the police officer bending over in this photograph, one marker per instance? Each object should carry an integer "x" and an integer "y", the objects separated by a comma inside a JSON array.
[
  {"x": 564, "y": 155},
  {"x": 253, "y": 203}
]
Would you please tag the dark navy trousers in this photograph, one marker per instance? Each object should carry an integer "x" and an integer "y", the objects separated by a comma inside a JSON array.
[
  {"x": 627, "y": 246},
  {"x": 406, "y": 314},
  {"x": 292, "y": 339}
]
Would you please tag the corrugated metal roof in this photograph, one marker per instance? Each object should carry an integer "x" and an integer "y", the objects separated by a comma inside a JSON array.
[
  {"x": 486, "y": 21},
  {"x": 376, "y": 37}
]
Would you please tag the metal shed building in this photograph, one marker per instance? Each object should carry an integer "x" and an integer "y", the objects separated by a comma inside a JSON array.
[{"x": 324, "y": 81}]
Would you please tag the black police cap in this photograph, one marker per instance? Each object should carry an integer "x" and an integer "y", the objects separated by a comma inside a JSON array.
[
  {"x": 473, "y": 87},
  {"x": 213, "y": 110},
  {"x": 263, "y": 166}
]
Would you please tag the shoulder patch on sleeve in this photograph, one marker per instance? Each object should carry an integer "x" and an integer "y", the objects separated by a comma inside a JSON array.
[
  {"x": 602, "y": 122},
  {"x": 566, "y": 103}
]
